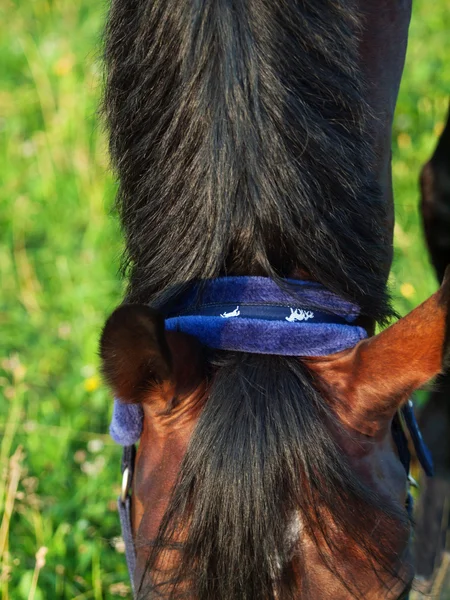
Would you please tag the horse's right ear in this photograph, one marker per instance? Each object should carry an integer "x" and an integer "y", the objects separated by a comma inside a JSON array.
[
  {"x": 372, "y": 380},
  {"x": 134, "y": 351}
]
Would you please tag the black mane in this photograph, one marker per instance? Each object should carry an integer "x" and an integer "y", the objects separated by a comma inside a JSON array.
[{"x": 238, "y": 132}]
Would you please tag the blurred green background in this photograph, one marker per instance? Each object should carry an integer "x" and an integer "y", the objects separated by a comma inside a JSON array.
[{"x": 59, "y": 257}]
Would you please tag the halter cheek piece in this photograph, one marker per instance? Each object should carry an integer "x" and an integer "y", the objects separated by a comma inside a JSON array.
[{"x": 256, "y": 315}]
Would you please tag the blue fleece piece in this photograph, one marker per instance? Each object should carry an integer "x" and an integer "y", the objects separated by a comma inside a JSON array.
[
  {"x": 126, "y": 423},
  {"x": 256, "y": 315}
]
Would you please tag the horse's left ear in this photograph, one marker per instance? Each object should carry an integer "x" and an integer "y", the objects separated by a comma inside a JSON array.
[
  {"x": 368, "y": 383},
  {"x": 143, "y": 363}
]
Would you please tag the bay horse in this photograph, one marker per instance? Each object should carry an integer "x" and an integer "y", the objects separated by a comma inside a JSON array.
[
  {"x": 251, "y": 140},
  {"x": 432, "y": 515}
]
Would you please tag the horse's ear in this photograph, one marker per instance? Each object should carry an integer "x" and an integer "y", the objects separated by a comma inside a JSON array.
[
  {"x": 134, "y": 352},
  {"x": 371, "y": 381}
]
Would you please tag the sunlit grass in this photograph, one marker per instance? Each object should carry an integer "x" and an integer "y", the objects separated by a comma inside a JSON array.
[
  {"x": 59, "y": 252},
  {"x": 58, "y": 269}
]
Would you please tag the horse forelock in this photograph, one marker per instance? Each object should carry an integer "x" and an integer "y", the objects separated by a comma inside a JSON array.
[{"x": 260, "y": 469}]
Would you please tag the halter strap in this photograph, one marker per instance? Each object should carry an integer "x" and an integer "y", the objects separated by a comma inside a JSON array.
[{"x": 124, "y": 507}]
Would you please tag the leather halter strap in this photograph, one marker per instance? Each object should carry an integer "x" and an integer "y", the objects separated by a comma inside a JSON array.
[{"x": 124, "y": 506}]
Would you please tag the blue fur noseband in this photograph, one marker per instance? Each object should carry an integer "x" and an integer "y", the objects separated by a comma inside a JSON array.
[{"x": 256, "y": 315}]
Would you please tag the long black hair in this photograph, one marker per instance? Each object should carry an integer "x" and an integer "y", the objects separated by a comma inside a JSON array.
[
  {"x": 241, "y": 140},
  {"x": 261, "y": 471}
]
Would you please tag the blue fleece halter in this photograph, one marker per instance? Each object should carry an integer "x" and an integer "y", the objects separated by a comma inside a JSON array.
[{"x": 254, "y": 314}]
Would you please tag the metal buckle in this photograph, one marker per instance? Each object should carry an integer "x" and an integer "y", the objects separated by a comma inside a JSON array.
[
  {"x": 412, "y": 482},
  {"x": 125, "y": 485}
]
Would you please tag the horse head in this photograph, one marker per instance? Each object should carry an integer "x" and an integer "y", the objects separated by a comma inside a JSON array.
[{"x": 209, "y": 479}]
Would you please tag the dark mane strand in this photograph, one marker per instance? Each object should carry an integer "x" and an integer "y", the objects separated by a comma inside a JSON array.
[{"x": 239, "y": 136}]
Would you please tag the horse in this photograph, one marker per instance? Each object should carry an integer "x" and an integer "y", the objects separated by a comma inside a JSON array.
[
  {"x": 251, "y": 142},
  {"x": 432, "y": 517}
]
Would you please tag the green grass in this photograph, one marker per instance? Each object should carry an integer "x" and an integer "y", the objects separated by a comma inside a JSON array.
[{"x": 59, "y": 254}]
